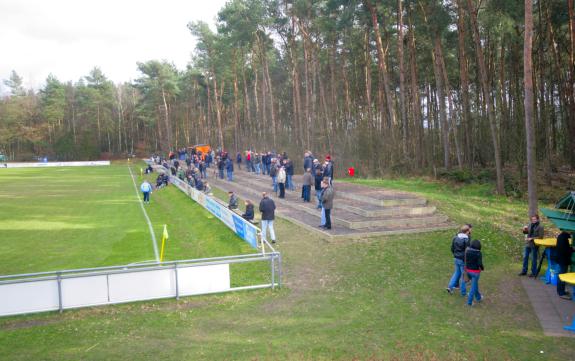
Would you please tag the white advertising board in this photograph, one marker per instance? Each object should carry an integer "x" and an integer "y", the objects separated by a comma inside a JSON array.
[
  {"x": 28, "y": 297},
  {"x": 55, "y": 164}
]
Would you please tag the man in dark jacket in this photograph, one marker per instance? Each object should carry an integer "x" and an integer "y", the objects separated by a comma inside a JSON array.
[
  {"x": 318, "y": 175},
  {"x": 562, "y": 256},
  {"x": 267, "y": 208},
  {"x": 458, "y": 245},
  {"x": 327, "y": 196},
  {"x": 249, "y": 213},
  {"x": 230, "y": 169},
  {"x": 306, "y": 185},
  {"x": 289, "y": 174},
  {"x": 233, "y": 202},
  {"x": 307, "y": 161},
  {"x": 328, "y": 169},
  {"x": 533, "y": 231},
  {"x": 221, "y": 167},
  {"x": 239, "y": 160}
]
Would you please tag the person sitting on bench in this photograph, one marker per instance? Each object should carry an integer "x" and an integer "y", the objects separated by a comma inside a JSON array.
[
  {"x": 159, "y": 181},
  {"x": 249, "y": 213},
  {"x": 207, "y": 188},
  {"x": 233, "y": 203}
]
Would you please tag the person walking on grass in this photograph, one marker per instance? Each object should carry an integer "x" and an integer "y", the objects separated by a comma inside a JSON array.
[
  {"x": 534, "y": 231},
  {"x": 473, "y": 267},
  {"x": 267, "y": 209},
  {"x": 146, "y": 189},
  {"x": 459, "y": 244}
]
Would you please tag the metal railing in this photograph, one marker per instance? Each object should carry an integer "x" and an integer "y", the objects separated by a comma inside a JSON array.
[{"x": 50, "y": 291}]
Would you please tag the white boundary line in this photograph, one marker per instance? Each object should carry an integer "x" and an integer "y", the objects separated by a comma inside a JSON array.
[{"x": 155, "y": 243}]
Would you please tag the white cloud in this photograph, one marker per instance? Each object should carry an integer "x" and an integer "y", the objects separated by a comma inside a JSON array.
[{"x": 69, "y": 37}]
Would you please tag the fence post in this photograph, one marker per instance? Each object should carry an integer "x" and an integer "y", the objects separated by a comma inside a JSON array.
[
  {"x": 272, "y": 263},
  {"x": 279, "y": 270},
  {"x": 59, "y": 279},
  {"x": 177, "y": 285}
]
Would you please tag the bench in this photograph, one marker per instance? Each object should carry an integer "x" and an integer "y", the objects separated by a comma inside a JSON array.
[{"x": 570, "y": 279}]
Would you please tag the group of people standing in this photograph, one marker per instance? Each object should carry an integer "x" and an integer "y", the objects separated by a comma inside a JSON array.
[
  {"x": 281, "y": 169},
  {"x": 560, "y": 254},
  {"x": 468, "y": 260}
]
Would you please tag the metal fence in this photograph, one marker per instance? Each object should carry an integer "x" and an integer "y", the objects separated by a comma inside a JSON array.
[{"x": 68, "y": 289}]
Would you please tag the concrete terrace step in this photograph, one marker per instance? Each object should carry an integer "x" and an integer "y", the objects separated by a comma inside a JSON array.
[
  {"x": 369, "y": 195},
  {"x": 383, "y": 202},
  {"x": 358, "y": 211},
  {"x": 378, "y": 211},
  {"x": 340, "y": 216},
  {"x": 339, "y": 231}
]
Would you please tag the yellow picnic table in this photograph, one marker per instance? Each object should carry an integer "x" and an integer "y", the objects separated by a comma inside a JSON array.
[
  {"x": 548, "y": 243},
  {"x": 569, "y": 278}
]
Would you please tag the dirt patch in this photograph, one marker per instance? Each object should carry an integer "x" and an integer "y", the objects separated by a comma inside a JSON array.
[{"x": 22, "y": 324}]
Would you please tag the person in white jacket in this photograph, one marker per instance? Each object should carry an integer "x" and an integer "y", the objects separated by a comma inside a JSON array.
[
  {"x": 281, "y": 179},
  {"x": 146, "y": 189}
]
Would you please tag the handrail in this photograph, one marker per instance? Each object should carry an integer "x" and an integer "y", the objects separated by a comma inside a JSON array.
[{"x": 132, "y": 267}]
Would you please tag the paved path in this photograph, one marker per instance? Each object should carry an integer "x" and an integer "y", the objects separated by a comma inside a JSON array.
[
  {"x": 553, "y": 312},
  {"x": 359, "y": 211}
]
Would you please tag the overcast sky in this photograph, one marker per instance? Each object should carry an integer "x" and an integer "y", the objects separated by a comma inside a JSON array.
[{"x": 69, "y": 37}]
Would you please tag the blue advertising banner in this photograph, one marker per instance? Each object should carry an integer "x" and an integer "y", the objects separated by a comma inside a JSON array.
[{"x": 244, "y": 229}]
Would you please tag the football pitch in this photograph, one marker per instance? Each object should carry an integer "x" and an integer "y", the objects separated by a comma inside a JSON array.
[{"x": 83, "y": 217}]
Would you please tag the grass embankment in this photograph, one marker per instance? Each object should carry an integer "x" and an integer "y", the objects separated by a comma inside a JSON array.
[{"x": 380, "y": 298}]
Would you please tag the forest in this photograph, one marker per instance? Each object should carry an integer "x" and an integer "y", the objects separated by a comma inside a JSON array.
[{"x": 386, "y": 86}]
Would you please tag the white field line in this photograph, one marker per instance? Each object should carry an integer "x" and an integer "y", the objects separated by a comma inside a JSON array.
[{"x": 154, "y": 242}]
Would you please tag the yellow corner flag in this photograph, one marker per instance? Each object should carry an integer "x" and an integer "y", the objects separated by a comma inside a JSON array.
[{"x": 164, "y": 238}]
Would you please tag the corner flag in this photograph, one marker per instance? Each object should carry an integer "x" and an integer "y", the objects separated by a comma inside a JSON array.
[{"x": 164, "y": 238}]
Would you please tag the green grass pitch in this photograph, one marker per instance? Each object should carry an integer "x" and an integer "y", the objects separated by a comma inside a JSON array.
[{"x": 80, "y": 217}]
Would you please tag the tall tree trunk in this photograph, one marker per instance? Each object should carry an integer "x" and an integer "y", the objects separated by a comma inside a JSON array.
[
  {"x": 120, "y": 117},
  {"x": 382, "y": 62},
  {"x": 415, "y": 102},
  {"x": 167, "y": 120},
  {"x": 487, "y": 97},
  {"x": 271, "y": 93},
  {"x": 451, "y": 120},
  {"x": 218, "y": 112},
  {"x": 441, "y": 100},
  {"x": 402, "y": 90},
  {"x": 464, "y": 77},
  {"x": 529, "y": 126},
  {"x": 571, "y": 88}
]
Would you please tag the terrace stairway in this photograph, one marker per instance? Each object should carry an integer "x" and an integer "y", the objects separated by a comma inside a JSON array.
[{"x": 359, "y": 211}]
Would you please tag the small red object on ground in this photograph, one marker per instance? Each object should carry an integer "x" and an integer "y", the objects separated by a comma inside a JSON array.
[{"x": 351, "y": 171}]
